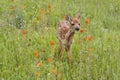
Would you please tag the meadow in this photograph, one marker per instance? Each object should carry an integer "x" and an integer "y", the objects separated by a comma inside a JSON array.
[{"x": 29, "y": 44}]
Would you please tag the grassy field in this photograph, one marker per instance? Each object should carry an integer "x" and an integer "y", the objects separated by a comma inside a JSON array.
[{"x": 29, "y": 44}]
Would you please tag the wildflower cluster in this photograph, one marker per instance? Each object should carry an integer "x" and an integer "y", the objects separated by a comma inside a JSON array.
[{"x": 86, "y": 34}]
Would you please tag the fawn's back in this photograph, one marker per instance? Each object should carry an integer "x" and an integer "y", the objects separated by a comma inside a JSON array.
[{"x": 63, "y": 27}]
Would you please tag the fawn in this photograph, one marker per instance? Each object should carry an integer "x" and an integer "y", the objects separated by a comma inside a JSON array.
[{"x": 66, "y": 32}]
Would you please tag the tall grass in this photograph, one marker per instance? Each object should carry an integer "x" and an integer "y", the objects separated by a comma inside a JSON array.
[{"x": 25, "y": 55}]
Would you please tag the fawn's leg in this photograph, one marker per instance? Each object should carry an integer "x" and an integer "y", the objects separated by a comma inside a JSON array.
[
  {"x": 62, "y": 51},
  {"x": 69, "y": 52},
  {"x": 59, "y": 49}
]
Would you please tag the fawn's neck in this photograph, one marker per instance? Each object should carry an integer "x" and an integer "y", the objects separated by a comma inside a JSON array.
[{"x": 70, "y": 33}]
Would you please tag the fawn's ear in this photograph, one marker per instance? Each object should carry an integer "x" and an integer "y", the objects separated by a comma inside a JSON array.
[
  {"x": 68, "y": 18},
  {"x": 78, "y": 16}
]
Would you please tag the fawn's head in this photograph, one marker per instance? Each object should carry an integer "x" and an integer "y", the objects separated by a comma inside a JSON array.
[{"x": 74, "y": 22}]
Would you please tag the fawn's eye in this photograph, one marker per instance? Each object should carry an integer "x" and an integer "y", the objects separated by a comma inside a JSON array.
[{"x": 79, "y": 24}]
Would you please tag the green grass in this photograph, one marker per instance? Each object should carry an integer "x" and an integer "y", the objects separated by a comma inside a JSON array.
[{"x": 17, "y": 60}]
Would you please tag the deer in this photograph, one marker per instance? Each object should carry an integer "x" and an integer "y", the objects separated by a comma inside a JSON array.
[{"x": 66, "y": 31}]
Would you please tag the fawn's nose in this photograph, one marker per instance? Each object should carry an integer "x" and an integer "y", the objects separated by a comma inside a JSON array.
[{"x": 77, "y": 28}]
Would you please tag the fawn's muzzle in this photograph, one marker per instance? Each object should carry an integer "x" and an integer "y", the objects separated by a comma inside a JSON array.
[{"x": 77, "y": 29}]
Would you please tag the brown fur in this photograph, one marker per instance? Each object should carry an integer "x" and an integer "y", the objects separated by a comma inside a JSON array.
[{"x": 66, "y": 32}]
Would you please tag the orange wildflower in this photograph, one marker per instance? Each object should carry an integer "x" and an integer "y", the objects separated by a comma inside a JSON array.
[
  {"x": 12, "y": 0},
  {"x": 24, "y": 32},
  {"x": 91, "y": 49},
  {"x": 52, "y": 43},
  {"x": 53, "y": 71},
  {"x": 42, "y": 11},
  {"x": 90, "y": 38},
  {"x": 40, "y": 17},
  {"x": 81, "y": 30},
  {"x": 49, "y": 5},
  {"x": 87, "y": 21},
  {"x": 40, "y": 64},
  {"x": 58, "y": 73},
  {"x": 36, "y": 54},
  {"x": 49, "y": 60},
  {"x": 85, "y": 38}
]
